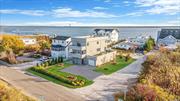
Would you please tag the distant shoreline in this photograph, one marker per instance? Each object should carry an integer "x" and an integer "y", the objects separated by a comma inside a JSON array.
[{"x": 96, "y": 26}]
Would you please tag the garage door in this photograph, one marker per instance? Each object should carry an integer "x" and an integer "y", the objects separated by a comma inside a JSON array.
[{"x": 91, "y": 62}]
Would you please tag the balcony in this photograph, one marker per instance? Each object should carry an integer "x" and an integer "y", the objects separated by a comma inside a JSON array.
[
  {"x": 78, "y": 47},
  {"x": 77, "y": 55}
]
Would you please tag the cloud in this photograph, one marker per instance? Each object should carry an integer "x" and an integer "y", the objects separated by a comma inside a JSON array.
[
  {"x": 174, "y": 22},
  {"x": 23, "y": 12},
  {"x": 69, "y": 12},
  {"x": 74, "y": 23},
  {"x": 53, "y": 23},
  {"x": 107, "y": 1},
  {"x": 169, "y": 7},
  {"x": 100, "y": 8},
  {"x": 138, "y": 13},
  {"x": 62, "y": 12}
]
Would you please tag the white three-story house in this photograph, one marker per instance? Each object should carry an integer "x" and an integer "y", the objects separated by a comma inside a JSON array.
[{"x": 60, "y": 46}]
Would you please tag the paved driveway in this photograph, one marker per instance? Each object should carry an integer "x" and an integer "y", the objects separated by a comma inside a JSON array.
[
  {"x": 105, "y": 86},
  {"x": 83, "y": 70},
  {"x": 37, "y": 87}
]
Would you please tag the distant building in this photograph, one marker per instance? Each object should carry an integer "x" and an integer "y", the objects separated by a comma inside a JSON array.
[
  {"x": 60, "y": 46},
  {"x": 112, "y": 34},
  {"x": 29, "y": 41},
  {"x": 137, "y": 42},
  {"x": 90, "y": 50},
  {"x": 169, "y": 37},
  {"x": 124, "y": 45}
]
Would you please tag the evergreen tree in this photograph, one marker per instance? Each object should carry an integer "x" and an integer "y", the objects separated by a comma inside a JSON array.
[{"x": 149, "y": 45}]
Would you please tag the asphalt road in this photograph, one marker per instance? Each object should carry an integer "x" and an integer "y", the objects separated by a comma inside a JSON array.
[
  {"x": 38, "y": 88},
  {"x": 105, "y": 86}
]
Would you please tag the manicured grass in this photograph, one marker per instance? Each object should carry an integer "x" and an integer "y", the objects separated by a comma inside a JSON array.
[
  {"x": 56, "y": 70},
  {"x": 109, "y": 68}
]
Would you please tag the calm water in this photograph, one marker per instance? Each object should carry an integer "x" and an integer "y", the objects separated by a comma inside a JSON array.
[{"x": 76, "y": 31}]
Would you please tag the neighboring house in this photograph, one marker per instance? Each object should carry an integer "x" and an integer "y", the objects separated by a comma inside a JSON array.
[
  {"x": 138, "y": 41},
  {"x": 112, "y": 34},
  {"x": 29, "y": 41},
  {"x": 60, "y": 46},
  {"x": 169, "y": 37},
  {"x": 124, "y": 45},
  {"x": 90, "y": 50}
]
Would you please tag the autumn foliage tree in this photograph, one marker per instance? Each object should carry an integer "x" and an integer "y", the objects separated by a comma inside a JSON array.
[{"x": 12, "y": 42}]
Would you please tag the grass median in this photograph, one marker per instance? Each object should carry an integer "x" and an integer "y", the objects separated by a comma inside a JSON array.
[{"x": 56, "y": 70}]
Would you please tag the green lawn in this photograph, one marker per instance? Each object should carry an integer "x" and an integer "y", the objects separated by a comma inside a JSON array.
[
  {"x": 56, "y": 69},
  {"x": 109, "y": 68}
]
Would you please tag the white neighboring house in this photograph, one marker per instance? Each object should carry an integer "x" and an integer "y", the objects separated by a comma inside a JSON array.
[
  {"x": 60, "y": 46},
  {"x": 112, "y": 34},
  {"x": 29, "y": 41}
]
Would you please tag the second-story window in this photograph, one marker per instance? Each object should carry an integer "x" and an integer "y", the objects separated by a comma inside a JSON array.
[
  {"x": 97, "y": 42},
  {"x": 88, "y": 44}
]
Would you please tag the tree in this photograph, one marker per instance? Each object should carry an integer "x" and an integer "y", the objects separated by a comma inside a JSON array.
[
  {"x": 44, "y": 45},
  {"x": 32, "y": 48},
  {"x": 12, "y": 42},
  {"x": 149, "y": 45},
  {"x": 1, "y": 49},
  {"x": 61, "y": 59},
  {"x": 10, "y": 56}
]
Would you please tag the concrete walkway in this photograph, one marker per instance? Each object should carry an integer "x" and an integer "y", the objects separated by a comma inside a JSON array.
[
  {"x": 105, "y": 86},
  {"x": 37, "y": 87}
]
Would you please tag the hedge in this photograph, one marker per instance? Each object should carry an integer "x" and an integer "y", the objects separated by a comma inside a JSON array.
[{"x": 45, "y": 72}]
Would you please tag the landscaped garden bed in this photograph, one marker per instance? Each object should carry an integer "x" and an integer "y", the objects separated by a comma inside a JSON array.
[
  {"x": 53, "y": 73},
  {"x": 111, "y": 67}
]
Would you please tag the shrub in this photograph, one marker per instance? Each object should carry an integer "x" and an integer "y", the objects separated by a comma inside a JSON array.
[
  {"x": 46, "y": 64},
  {"x": 127, "y": 58},
  {"x": 141, "y": 92},
  {"x": 61, "y": 59},
  {"x": 36, "y": 56},
  {"x": 74, "y": 82},
  {"x": 120, "y": 56}
]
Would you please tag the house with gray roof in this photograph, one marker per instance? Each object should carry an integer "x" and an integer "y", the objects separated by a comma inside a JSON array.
[
  {"x": 169, "y": 37},
  {"x": 60, "y": 46}
]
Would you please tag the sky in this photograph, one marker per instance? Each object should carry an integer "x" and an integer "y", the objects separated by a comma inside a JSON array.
[{"x": 89, "y": 12}]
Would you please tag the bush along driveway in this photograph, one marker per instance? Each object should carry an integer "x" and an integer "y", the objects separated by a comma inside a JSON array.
[
  {"x": 111, "y": 67},
  {"x": 53, "y": 73}
]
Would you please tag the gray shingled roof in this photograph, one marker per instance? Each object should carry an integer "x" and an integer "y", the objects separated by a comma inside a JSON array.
[
  {"x": 166, "y": 32},
  {"x": 61, "y": 37}
]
